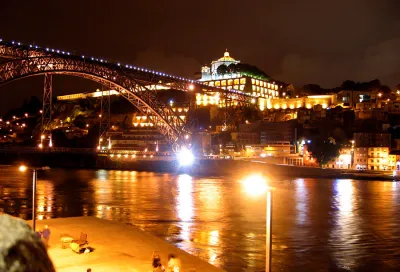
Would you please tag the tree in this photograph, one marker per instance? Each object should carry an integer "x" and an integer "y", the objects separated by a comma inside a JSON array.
[
  {"x": 233, "y": 68},
  {"x": 385, "y": 89},
  {"x": 324, "y": 150},
  {"x": 222, "y": 69}
]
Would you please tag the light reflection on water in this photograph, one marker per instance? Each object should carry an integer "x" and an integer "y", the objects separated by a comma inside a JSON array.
[{"x": 318, "y": 225}]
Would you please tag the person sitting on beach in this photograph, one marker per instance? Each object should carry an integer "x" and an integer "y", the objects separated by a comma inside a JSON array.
[
  {"x": 39, "y": 233},
  {"x": 20, "y": 248},
  {"x": 46, "y": 235},
  {"x": 174, "y": 264},
  {"x": 159, "y": 268}
]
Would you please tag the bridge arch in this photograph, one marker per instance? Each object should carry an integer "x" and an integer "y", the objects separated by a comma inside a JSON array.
[{"x": 109, "y": 75}]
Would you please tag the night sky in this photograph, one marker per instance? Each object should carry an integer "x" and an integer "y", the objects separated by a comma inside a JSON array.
[{"x": 309, "y": 41}]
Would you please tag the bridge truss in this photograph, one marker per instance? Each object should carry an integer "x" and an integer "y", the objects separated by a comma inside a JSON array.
[{"x": 131, "y": 82}]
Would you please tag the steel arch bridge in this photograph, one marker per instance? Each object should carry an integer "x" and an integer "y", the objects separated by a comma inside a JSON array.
[{"x": 131, "y": 82}]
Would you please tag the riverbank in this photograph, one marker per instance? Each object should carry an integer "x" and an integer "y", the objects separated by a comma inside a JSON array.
[
  {"x": 202, "y": 167},
  {"x": 116, "y": 247}
]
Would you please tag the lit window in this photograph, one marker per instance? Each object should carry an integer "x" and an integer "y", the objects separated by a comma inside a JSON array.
[
  {"x": 241, "y": 87},
  {"x": 211, "y": 83},
  {"x": 257, "y": 82},
  {"x": 217, "y": 83},
  {"x": 254, "y": 87},
  {"x": 223, "y": 83},
  {"x": 265, "y": 84},
  {"x": 258, "y": 89},
  {"x": 236, "y": 81},
  {"x": 243, "y": 80},
  {"x": 269, "y": 85},
  {"x": 230, "y": 82},
  {"x": 236, "y": 87},
  {"x": 253, "y": 81}
]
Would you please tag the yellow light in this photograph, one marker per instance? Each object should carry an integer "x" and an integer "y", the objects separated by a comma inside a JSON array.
[
  {"x": 119, "y": 155},
  {"x": 126, "y": 155},
  {"x": 191, "y": 87},
  {"x": 42, "y": 136},
  {"x": 40, "y": 145},
  {"x": 22, "y": 168},
  {"x": 255, "y": 185}
]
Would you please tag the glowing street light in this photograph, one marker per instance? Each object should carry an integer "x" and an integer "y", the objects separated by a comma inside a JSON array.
[
  {"x": 26, "y": 115},
  {"x": 185, "y": 157},
  {"x": 255, "y": 185},
  {"x": 23, "y": 168}
]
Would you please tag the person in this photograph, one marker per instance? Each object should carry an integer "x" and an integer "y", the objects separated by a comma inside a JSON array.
[
  {"x": 20, "y": 248},
  {"x": 39, "y": 233},
  {"x": 46, "y": 235},
  {"x": 159, "y": 268},
  {"x": 156, "y": 260},
  {"x": 174, "y": 264}
]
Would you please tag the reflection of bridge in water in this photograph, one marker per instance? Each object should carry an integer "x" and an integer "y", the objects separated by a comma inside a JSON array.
[{"x": 135, "y": 84}]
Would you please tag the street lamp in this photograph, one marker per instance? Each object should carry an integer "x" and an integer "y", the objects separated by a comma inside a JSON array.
[
  {"x": 23, "y": 168},
  {"x": 256, "y": 185}
]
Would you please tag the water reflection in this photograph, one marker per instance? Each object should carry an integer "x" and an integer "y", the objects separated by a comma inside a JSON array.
[
  {"x": 184, "y": 205},
  {"x": 345, "y": 234},
  {"x": 301, "y": 199},
  {"x": 318, "y": 225}
]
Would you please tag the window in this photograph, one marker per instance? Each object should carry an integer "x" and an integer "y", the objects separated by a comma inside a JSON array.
[
  {"x": 217, "y": 83},
  {"x": 253, "y": 81},
  {"x": 230, "y": 82},
  {"x": 236, "y": 81},
  {"x": 223, "y": 83},
  {"x": 211, "y": 83},
  {"x": 243, "y": 81}
]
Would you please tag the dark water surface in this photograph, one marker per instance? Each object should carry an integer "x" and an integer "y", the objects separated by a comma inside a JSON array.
[{"x": 318, "y": 225}]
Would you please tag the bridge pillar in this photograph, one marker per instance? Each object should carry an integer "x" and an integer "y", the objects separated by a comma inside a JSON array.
[
  {"x": 105, "y": 118},
  {"x": 45, "y": 129}
]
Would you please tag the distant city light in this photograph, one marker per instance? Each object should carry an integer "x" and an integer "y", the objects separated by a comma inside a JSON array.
[{"x": 22, "y": 168}]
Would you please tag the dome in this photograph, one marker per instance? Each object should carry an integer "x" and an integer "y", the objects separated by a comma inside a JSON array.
[{"x": 226, "y": 57}]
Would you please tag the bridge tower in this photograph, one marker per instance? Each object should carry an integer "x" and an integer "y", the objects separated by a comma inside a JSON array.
[
  {"x": 105, "y": 119},
  {"x": 45, "y": 128}
]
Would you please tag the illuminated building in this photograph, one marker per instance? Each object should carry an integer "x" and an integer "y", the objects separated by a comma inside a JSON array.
[
  {"x": 308, "y": 102},
  {"x": 373, "y": 158},
  {"x": 343, "y": 161},
  {"x": 240, "y": 81}
]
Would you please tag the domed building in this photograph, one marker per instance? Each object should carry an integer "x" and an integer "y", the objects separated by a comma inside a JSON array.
[{"x": 260, "y": 88}]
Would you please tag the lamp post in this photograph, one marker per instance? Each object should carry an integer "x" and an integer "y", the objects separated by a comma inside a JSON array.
[
  {"x": 23, "y": 168},
  {"x": 268, "y": 236}
]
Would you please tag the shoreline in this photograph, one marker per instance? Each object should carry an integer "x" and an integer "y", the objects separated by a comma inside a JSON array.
[{"x": 203, "y": 167}]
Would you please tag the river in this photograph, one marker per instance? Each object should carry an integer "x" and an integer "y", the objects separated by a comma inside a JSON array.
[{"x": 318, "y": 224}]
